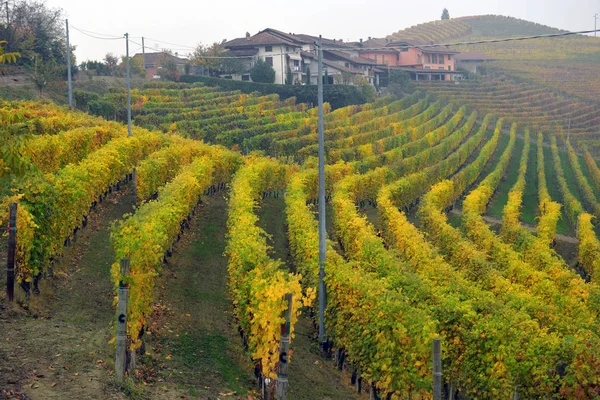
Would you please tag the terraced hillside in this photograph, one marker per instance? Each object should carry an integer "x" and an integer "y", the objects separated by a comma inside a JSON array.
[
  {"x": 531, "y": 105},
  {"x": 394, "y": 281}
]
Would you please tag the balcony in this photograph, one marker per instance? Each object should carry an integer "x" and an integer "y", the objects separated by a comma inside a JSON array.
[{"x": 296, "y": 68}]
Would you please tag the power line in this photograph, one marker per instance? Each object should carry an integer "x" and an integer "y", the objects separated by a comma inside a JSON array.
[{"x": 95, "y": 34}]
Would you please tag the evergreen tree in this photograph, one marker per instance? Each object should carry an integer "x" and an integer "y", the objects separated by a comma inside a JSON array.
[
  {"x": 445, "y": 14},
  {"x": 262, "y": 72}
]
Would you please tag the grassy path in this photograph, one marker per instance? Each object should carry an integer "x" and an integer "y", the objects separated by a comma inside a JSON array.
[
  {"x": 194, "y": 349},
  {"x": 59, "y": 348},
  {"x": 310, "y": 375}
]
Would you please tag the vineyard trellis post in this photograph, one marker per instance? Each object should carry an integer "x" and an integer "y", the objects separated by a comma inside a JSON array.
[
  {"x": 284, "y": 353},
  {"x": 121, "y": 356},
  {"x": 134, "y": 187},
  {"x": 12, "y": 246},
  {"x": 70, "y": 84},
  {"x": 437, "y": 370},
  {"x": 128, "y": 85},
  {"x": 322, "y": 226}
]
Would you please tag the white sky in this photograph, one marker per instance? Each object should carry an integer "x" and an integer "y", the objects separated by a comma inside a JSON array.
[{"x": 191, "y": 22}]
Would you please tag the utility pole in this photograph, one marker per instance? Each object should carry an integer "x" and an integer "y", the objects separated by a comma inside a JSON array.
[
  {"x": 128, "y": 85},
  {"x": 322, "y": 229},
  {"x": 69, "y": 67},
  {"x": 7, "y": 19},
  {"x": 595, "y": 20},
  {"x": 143, "y": 55}
]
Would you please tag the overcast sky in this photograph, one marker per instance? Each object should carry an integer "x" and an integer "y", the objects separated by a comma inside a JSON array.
[{"x": 191, "y": 22}]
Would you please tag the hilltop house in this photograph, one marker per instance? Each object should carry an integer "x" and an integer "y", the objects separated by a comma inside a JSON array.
[
  {"x": 471, "y": 61},
  {"x": 421, "y": 61},
  {"x": 298, "y": 53}
]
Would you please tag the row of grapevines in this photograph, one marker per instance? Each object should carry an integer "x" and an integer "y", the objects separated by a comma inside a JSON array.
[
  {"x": 365, "y": 310},
  {"x": 511, "y": 215},
  {"x": 525, "y": 290},
  {"x": 145, "y": 236},
  {"x": 432, "y": 147},
  {"x": 409, "y": 188},
  {"x": 549, "y": 210},
  {"x": 49, "y": 153},
  {"x": 589, "y": 247},
  {"x": 584, "y": 187},
  {"x": 593, "y": 168},
  {"x": 162, "y": 165},
  {"x": 572, "y": 206},
  {"x": 58, "y": 203},
  {"x": 294, "y": 144},
  {"x": 258, "y": 283},
  {"x": 497, "y": 325},
  {"x": 336, "y": 146}
]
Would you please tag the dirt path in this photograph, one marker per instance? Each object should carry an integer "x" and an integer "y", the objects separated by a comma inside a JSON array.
[
  {"x": 533, "y": 229},
  {"x": 59, "y": 348}
]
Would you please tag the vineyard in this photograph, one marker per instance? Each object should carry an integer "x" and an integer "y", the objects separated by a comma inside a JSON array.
[{"x": 411, "y": 255}]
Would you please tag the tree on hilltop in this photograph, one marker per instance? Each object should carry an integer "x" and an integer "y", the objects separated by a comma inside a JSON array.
[{"x": 445, "y": 14}]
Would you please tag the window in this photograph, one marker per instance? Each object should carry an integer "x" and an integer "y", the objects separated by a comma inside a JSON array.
[
  {"x": 287, "y": 49},
  {"x": 269, "y": 60},
  {"x": 434, "y": 59},
  {"x": 440, "y": 67},
  {"x": 296, "y": 66},
  {"x": 441, "y": 59},
  {"x": 449, "y": 57},
  {"x": 449, "y": 68},
  {"x": 404, "y": 49},
  {"x": 245, "y": 77},
  {"x": 268, "y": 49},
  {"x": 427, "y": 67},
  {"x": 427, "y": 59}
]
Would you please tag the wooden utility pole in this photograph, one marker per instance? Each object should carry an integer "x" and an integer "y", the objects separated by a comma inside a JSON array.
[
  {"x": 284, "y": 353},
  {"x": 12, "y": 245},
  {"x": 121, "y": 356}
]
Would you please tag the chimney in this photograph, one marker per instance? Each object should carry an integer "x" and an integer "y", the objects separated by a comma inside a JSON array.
[
  {"x": 333, "y": 40},
  {"x": 247, "y": 35},
  {"x": 369, "y": 37},
  {"x": 361, "y": 40}
]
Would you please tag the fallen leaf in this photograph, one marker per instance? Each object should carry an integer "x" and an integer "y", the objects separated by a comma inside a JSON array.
[
  {"x": 53, "y": 384},
  {"x": 169, "y": 356},
  {"x": 76, "y": 373}
]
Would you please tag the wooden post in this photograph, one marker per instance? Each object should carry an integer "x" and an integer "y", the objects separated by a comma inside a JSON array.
[
  {"x": 516, "y": 394},
  {"x": 121, "y": 355},
  {"x": 134, "y": 187},
  {"x": 284, "y": 350},
  {"x": 12, "y": 246},
  {"x": 437, "y": 370}
]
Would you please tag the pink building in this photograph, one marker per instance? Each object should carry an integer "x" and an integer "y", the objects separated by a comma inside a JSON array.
[{"x": 422, "y": 62}]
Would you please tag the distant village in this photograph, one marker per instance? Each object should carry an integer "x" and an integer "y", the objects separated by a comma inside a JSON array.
[{"x": 294, "y": 59}]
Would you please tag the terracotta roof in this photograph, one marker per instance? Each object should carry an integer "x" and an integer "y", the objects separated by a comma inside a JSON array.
[
  {"x": 155, "y": 58},
  {"x": 243, "y": 52},
  {"x": 473, "y": 56},
  {"x": 264, "y": 38}
]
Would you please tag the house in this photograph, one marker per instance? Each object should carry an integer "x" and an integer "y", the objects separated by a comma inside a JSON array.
[
  {"x": 276, "y": 48},
  {"x": 152, "y": 63},
  {"x": 298, "y": 53},
  {"x": 422, "y": 61},
  {"x": 470, "y": 61}
]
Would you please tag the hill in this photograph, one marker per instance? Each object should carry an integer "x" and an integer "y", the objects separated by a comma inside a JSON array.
[{"x": 477, "y": 26}]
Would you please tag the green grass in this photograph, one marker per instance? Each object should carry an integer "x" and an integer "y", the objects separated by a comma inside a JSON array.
[
  {"x": 530, "y": 207},
  {"x": 563, "y": 226},
  {"x": 496, "y": 205}
]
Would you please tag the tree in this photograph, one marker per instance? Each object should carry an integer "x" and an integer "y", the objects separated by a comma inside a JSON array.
[
  {"x": 365, "y": 87},
  {"x": 308, "y": 75},
  {"x": 43, "y": 73},
  {"x": 36, "y": 32},
  {"x": 7, "y": 57},
  {"x": 445, "y": 14},
  {"x": 289, "y": 78},
  {"x": 169, "y": 70},
  {"x": 135, "y": 67},
  {"x": 218, "y": 60},
  {"x": 400, "y": 82},
  {"x": 111, "y": 63},
  {"x": 262, "y": 72},
  {"x": 344, "y": 78}
]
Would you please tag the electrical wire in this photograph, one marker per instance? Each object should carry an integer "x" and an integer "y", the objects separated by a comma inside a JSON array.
[{"x": 94, "y": 34}]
